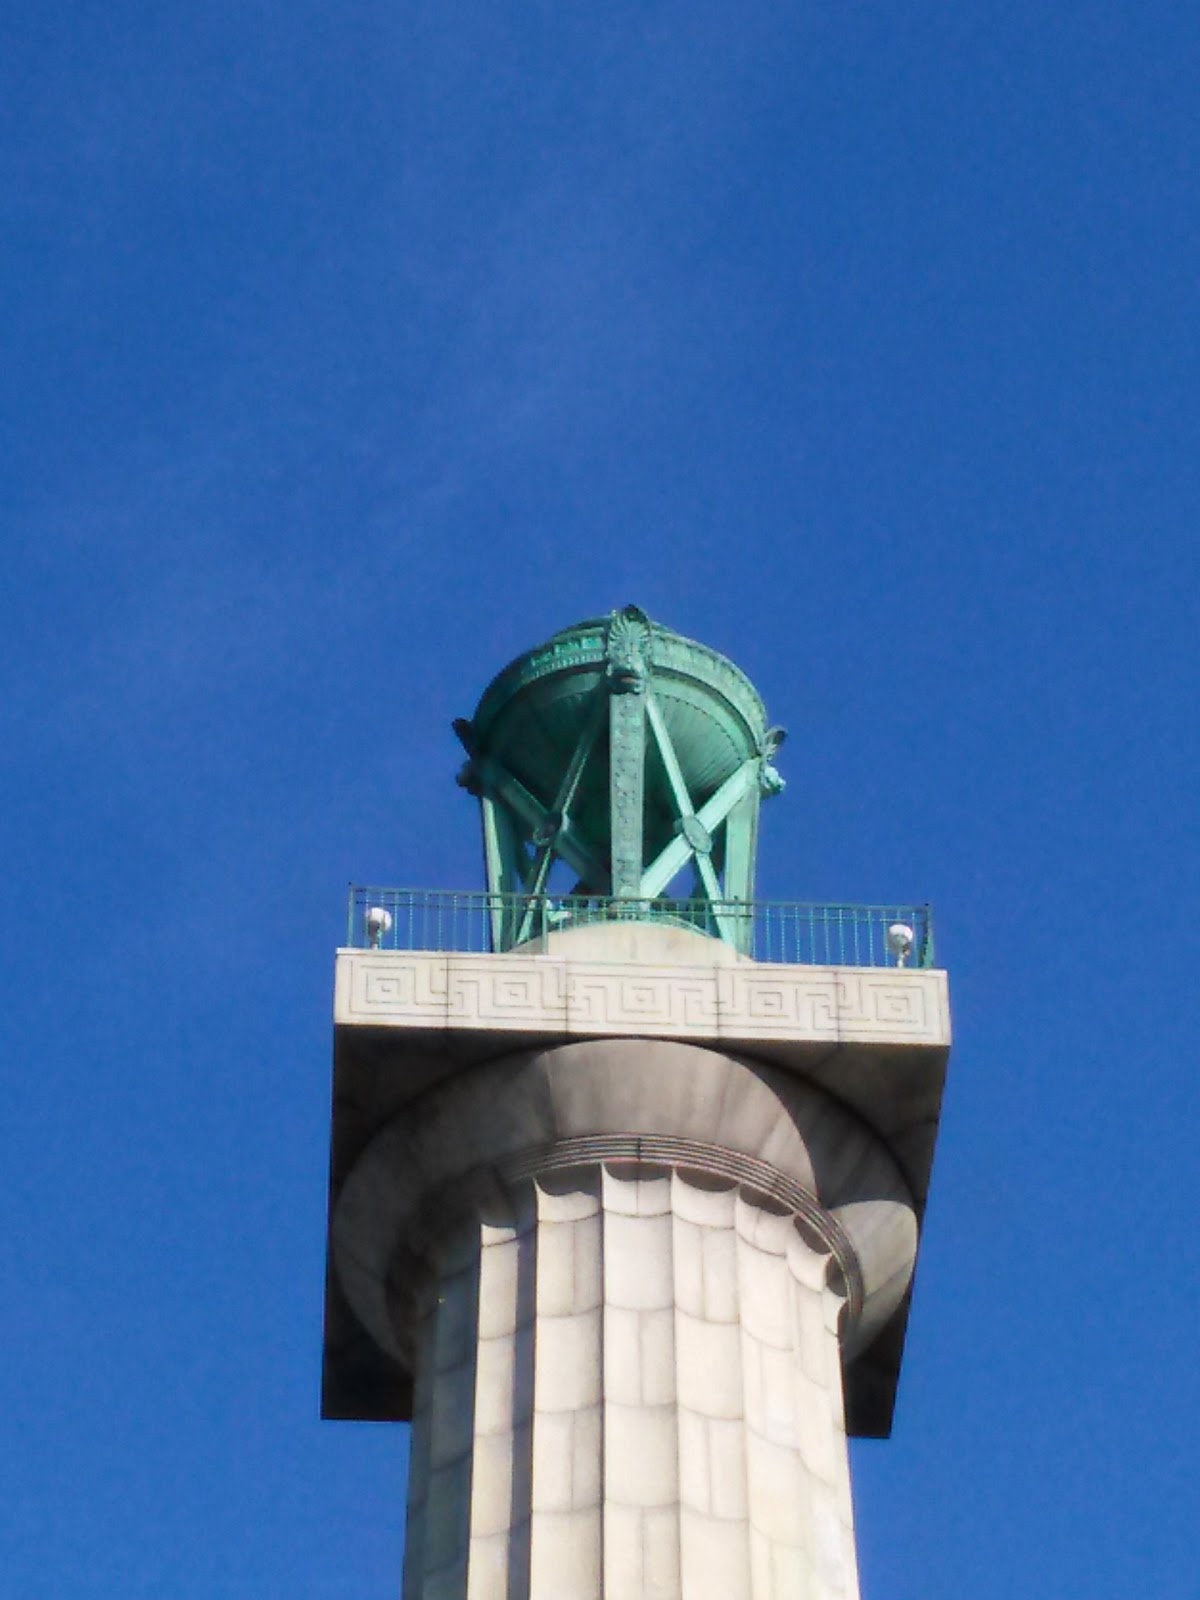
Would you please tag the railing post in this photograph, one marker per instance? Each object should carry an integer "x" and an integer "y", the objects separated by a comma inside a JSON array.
[{"x": 926, "y": 955}]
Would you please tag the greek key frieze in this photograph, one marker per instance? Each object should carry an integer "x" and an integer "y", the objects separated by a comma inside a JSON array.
[{"x": 556, "y": 997}]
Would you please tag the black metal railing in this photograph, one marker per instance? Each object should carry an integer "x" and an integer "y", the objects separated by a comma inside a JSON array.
[{"x": 791, "y": 931}]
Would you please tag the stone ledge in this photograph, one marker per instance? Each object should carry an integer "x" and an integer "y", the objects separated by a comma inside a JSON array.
[{"x": 552, "y": 997}]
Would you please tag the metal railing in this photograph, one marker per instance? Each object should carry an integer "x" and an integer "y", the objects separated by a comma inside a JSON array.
[{"x": 791, "y": 931}]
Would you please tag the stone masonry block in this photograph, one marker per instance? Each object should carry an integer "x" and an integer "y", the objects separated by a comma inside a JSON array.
[
  {"x": 624, "y": 1564},
  {"x": 565, "y": 1555},
  {"x": 687, "y": 1247},
  {"x": 656, "y": 1340},
  {"x": 762, "y": 1584},
  {"x": 588, "y": 1264},
  {"x": 775, "y": 1490},
  {"x": 622, "y": 1356},
  {"x": 499, "y": 1281},
  {"x": 641, "y": 1455},
  {"x": 660, "y": 1552},
  {"x": 764, "y": 1295},
  {"x": 753, "y": 1388},
  {"x": 488, "y": 1567},
  {"x": 587, "y": 1458},
  {"x": 695, "y": 1490},
  {"x": 556, "y": 1269},
  {"x": 779, "y": 1421},
  {"x": 495, "y": 1385},
  {"x": 833, "y": 1549},
  {"x": 708, "y": 1366},
  {"x": 719, "y": 1263},
  {"x": 822, "y": 1442},
  {"x": 491, "y": 1486},
  {"x": 714, "y": 1558},
  {"x": 726, "y": 1449},
  {"x": 792, "y": 1571},
  {"x": 637, "y": 1262},
  {"x": 568, "y": 1357},
  {"x": 566, "y": 1460}
]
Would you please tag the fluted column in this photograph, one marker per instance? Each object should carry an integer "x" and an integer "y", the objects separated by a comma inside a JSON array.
[
  {"x": 629, "y": 1385},
  {"x": 627, "y": 1277}
]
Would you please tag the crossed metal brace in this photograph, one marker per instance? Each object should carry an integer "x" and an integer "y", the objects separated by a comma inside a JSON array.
[{"x": 505, "y": 799}]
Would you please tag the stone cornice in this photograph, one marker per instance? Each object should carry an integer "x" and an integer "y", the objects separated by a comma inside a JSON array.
[{"x": 546, "y": 996}]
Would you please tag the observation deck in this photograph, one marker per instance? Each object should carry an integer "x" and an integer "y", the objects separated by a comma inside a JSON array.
[{"x": 797, "y": 932}]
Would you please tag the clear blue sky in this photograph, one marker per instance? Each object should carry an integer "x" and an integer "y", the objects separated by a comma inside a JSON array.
[{"x": 348, "y": 350}]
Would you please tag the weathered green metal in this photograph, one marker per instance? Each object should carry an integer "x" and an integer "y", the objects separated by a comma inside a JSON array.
[
  {"x": 792, "y": 931},
  {"x": 629, "y": 754}
]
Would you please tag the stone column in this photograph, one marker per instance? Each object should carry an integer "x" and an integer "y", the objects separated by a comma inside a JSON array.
[
  {"x": 629, "y": 1386},
  {"x": 626, "y": 1276}
]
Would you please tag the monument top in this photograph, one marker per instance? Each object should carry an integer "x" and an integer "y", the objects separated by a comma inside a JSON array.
[{"x": 630, "y": 757}]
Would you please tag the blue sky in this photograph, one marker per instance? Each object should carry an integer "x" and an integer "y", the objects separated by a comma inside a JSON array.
[{"x": 349, "y": 351}]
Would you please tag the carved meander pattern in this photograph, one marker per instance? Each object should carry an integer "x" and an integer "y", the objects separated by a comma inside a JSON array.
[{"x": 735, "y": 1002}]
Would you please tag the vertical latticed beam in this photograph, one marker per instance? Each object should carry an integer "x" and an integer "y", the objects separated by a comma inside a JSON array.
[
  {"x": 626, "y": 776},
  {"x": 741, "y": 841},
  {"x": 502, "y": 858}
]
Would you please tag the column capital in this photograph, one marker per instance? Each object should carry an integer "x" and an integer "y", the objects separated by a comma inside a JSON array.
[{"x": 622, "y": 1103}]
